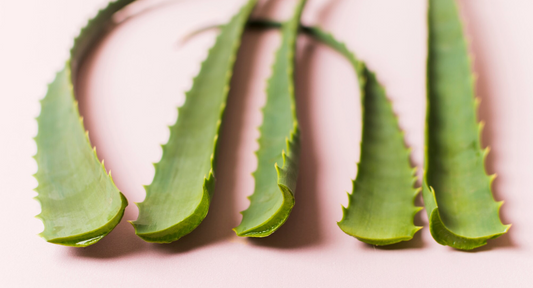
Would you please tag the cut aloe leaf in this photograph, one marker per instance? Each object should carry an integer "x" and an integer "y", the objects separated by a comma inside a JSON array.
[
  {"x": 381, "y": 207},
  {"x": 80, "y": 203},
  {"x": 457, "y": 191},
  {"x": 279, "y": 144},
  {"x": 178, "y": 199}
]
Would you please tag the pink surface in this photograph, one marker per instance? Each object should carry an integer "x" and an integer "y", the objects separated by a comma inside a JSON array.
[{"x": 134, "y": 81}]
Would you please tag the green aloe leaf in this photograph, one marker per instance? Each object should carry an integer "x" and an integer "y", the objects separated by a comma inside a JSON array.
[
  {"x": 457, "y": 191},
  {"x": 279, "y": 144},
  {"x": 80, "y": 203},
  {"x": 381, "y": 207},
  {"x": 178, "y": 199}
]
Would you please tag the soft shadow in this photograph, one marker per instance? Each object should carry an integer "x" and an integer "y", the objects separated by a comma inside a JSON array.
[
  {"x": 487, "y": 108},
  {"x": 266, "y": 8},
  {"x": 222, "y": 216},
  {"x": 302, "y": 227}
]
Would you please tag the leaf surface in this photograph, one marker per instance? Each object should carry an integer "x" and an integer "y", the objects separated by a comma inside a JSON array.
[
  {"x": 457, "y": 191},
  {"x": 179, "y": 197},
  {"x": 279, "y": 144},
  {"x": 80, "y": 204},
  {"x": 381, "y": 207}
]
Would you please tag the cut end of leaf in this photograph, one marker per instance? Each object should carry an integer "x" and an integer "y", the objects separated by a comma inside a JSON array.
[
  {"x": 274, "y": 222},
  {"x": 88, "y": 238},
  {"x": 379, "y": 241},
  {"x": 445, "y": 236}
]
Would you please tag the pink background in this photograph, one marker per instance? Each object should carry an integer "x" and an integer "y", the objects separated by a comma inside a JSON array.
[{"x": 135, "y": 79}]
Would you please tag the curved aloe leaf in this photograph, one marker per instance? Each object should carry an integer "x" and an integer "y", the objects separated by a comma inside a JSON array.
[
  {"x": 457, "y": 191},
  {"x": 381, "y": 207},
  {"x": 273, "y": 197},
  {"x": 80, "y": 203},
  {"x": 178, "y": 199}
]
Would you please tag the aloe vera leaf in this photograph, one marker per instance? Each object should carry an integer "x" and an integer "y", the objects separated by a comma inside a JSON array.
[
  {"x": 377, "y": 213},
  {"x": 279, "y": 143},
  {"x": 381, "y": 207},
  {"x": 457, "y": 191},
  {"x": 80, "y": 203},
  {"x": 178, "y": 199}
]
